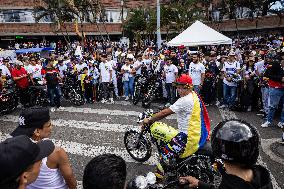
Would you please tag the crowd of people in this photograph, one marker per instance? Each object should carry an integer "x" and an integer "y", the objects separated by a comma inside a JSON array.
[
  {"x": 30, "y": 160},
  {"x": 247, "y": 76}
]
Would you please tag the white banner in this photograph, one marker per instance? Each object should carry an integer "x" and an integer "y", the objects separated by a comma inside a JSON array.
[{"x": 10, "y": 54}]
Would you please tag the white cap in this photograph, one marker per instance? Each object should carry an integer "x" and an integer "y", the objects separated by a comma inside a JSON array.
[{"x": 18, "y": 63}]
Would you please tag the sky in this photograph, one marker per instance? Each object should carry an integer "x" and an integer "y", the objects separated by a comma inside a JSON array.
[{"x": 276, "y": 5}]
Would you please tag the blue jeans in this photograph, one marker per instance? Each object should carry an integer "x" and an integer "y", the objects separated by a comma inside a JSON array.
[
  {"x": 230, "y": 94},
  {"x": 265, "y": 96},
  {"x": 196, "y": 89},
  {"x": 275, "y": 96},
  {"x": 171, "y": 92},
  {"x": 129, "y": 86},
  {"x": 54, "y": 94}
]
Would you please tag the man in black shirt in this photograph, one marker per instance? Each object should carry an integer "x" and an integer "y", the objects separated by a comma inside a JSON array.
[{"x": 52, "y": 81}]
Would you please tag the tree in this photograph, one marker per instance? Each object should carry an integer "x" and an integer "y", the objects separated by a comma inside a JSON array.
[
  {"x": 60, "y": 12},
  {"x": 135, "y": 24},
  {"x": 186, "y": 12},
  {"x": 72, "y": 11},
  {"x": 278, "y": 11}
]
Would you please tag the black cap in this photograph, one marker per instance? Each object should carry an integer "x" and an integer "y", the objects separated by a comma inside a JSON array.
[
  {"x": 18, "y": 153},
  {"x": 31, "y": 119},
  {"x": 6, "y": 60}
]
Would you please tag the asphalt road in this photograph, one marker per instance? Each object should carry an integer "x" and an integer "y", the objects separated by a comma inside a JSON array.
[{"x": 93, "y": 129}]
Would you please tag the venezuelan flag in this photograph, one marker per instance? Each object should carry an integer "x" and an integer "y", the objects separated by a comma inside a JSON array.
[{"x": 199, "y": 127}]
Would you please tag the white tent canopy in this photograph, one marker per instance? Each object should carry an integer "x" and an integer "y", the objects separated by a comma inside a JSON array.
[{"x": 199, "y": 34}]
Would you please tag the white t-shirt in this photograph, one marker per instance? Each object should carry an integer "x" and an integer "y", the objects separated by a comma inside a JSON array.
[
  {"x": 79, "y": 68},
  {"x": 62, "y": 69},
  {"x": 127, "y": 74},
  {"x": 195, "y": 71},
  {"x": 5, "y": 70},
  {"x": 104, "y": 70},
  {"x": 135, "y": 65},
  {"x": 170, "y": 72},
  {"x": 113, "y": 64},
  {"x": 35, "y": 71},
  {"x": 259, "y": 66},
  {"x": 230, "y": 68},
  {"x": 183, "y": 108},
  {"x": 147, "y": 62}
]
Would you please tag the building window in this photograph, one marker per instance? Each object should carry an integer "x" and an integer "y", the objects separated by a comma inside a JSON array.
[{"x": 25, "y": 16}]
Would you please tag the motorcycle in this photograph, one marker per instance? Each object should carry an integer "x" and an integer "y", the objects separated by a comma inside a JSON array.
[
  {"x": 139, "y": 88},
  {"x": 139, "y": 146},
  {"x": 8, "y": 97},
  {"x": 71, "y": 89},
  {"x": 38, "y": 94},
  {"x": 147, "y": 88}
]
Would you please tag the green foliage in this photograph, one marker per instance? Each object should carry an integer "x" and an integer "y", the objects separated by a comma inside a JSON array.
[
  {"x": 58, "y": 10},
  {"x": 176, "y": 15}
]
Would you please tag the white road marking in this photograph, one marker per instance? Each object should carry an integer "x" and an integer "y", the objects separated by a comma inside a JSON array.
[
  {"x": 226, "y": 115},
  {"x": 80, "y": 124},
  {"x": 266, "y": 143},
  {"x": 106, "y": 112},
  {"x": 76, "y": 148}
]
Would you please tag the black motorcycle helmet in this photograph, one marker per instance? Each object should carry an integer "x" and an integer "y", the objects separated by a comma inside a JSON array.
[{"x": 236, "y": 141}]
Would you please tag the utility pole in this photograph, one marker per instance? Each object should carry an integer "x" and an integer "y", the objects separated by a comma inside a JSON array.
[
  {"x": 122, "y": 19},
  {"x": 159, "y": 39}
]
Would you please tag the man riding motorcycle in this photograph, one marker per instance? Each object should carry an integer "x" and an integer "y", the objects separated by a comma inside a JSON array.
[{"x": 193, "y": 124}]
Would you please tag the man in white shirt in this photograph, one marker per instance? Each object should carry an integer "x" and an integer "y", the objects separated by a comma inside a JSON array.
[
  {"x": 170, "y": 74},
  {"x": 147, "y": 61},
  {"x": 62, "y": 68},
  {"x": 231, "y": 70},
  {"x": 5, "y": 70},
  {"x": 34, "y": 70},
  {"x": 197, "y": 73},
  {"x": 114, "y": 68},
  {"x": 138, "y": 64},
  {"x": 79, "y": 68},
  {"x": 106, "y": 78}
]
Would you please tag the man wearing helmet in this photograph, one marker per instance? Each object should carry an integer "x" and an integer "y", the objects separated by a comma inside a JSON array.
[
  {"x": 237, "y": 144},
  {"x": 193, "y": 123}
]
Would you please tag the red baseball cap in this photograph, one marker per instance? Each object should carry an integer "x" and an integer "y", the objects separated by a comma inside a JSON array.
[{"x": 183, "y": 79}]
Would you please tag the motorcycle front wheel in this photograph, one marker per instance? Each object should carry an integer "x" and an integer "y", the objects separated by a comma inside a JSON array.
[
  {"x": 136, "y": 95},
  {"x": 146, "y": 102},
  {"x": 139, "y": 149},
  {"x": 76, "y": 98}
]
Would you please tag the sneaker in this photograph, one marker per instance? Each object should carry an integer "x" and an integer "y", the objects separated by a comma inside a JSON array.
[
  {"x": 111, "y": 101},
  {"x": 205, "y": 104},
  {"x": 20, "y": 106},
  {"x": 266, "y": 124},
  {"x": 52, "y": 109},
  {"x": 103, "y": 101},
  {"x": 261, "y": 110},
  {"x": 223, "y": 106},
  {"x": 127, "y": 98},
  {"x": 160, "y": 173},
  {"x": 280, "y": 125},
  {"x": 217, "y": 103},
  {"x": 249, "y": 109},
  {"x": 60, "y": 108}
]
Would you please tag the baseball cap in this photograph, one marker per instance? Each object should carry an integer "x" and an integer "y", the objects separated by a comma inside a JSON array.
[
  {"x": 30, "y": 119},
  {"x": 232, "y": 53},
  {"x": 184, "y": 79},
  {"x": 18, "y": 63},
  {"x": 6, "y": 60},
  {"x": 18, "y": 153}
]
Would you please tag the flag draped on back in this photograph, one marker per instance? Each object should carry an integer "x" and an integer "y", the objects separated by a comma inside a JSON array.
[{"x": 199, "y": 127}]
